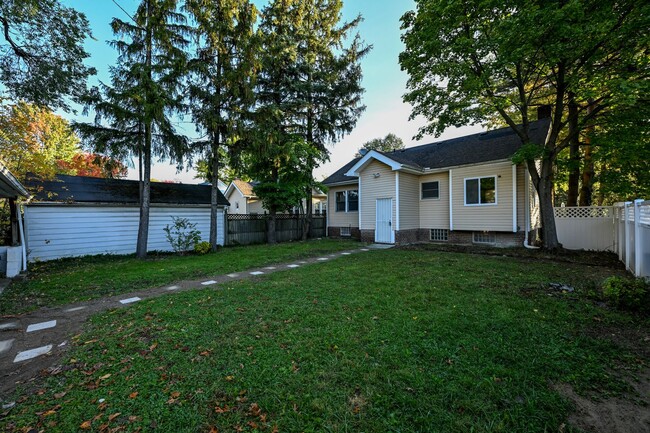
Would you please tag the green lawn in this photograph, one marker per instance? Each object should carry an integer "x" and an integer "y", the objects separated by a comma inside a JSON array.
[
  {"x": 384, "y": 341},
  {"x": 71, "y": 280}
]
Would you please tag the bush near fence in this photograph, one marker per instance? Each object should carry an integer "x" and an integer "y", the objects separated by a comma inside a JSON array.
[{"x": 247, "y": 229}]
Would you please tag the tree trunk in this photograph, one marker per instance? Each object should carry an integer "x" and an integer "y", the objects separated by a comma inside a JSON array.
[
  {"x": 13, "y": 223},
  {"x": 145, "y": 200},
  {"x": 544, "y": 189},
  {"x": 306, "y": 226},
  {"x": 574, "y": 154},
  {"x": 270, "y": 228},
  {"x": 588, "y": 167},
  {"x": 214, "y": 195}
]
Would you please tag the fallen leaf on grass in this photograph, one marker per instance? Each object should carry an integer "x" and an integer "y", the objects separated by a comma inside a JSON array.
[
  {"x": 106, "y": 376},
  {"x": 213, "y": 429},
  {"x": 230, "y": 378},
  {"x": 255, "y": 409},
  {"x": 219, "y": 409},
  {"x": 85, "y": 425},
  {"x": 60, "y": 394},
  {"x": 111, "y": 417},
  {"x": 133, "y": 394}
]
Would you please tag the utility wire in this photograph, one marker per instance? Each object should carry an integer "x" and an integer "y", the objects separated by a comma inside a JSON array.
[{"x": 124, "y": 10}]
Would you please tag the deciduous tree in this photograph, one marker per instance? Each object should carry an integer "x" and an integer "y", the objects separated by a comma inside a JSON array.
[
  {"x": 41, "y": 52},
  {"x": 387, "y": 144},
  {"x": 467, "y": 60}
]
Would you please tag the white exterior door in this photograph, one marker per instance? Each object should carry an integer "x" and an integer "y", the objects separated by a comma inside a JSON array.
[{"x": 384, "y": 223}]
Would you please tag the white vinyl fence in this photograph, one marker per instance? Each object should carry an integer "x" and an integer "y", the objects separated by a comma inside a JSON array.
[
  {"x": 632, "y": 232},
  {"x": 623, "y": 229}
]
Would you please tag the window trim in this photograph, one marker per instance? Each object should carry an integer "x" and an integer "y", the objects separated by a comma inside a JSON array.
[
  {"x": 429, "y": 198},
  {"x": 479, "y": 191},
  {"x": 347, "y": 203}
]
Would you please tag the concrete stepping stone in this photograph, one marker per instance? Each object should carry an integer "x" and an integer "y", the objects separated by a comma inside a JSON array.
[
  {"x": 365, "y": 249},
  {"x": 129, "y": 300},
  {"x": 73, "y": 309},
  {"x": 257, "y": 273},
  {"x": 292, "y": 266},
  {"x": 233, "y": 275},
  {"x": 303, "y": 263},
  {"x": 323, "y": 258},
  {"x": 5, "y": 345},
  {"x": 345, "y": 254},
  {"x": 170, "y": 288},
  {"x": 32, "y": 353},
  {"x": 9, "y": 326},
  {"x": 208, "y": 283},
  {"x": 40, "y": 326}
]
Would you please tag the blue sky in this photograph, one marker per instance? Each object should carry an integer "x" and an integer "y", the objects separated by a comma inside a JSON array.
[{"x": 383, "y": 80}]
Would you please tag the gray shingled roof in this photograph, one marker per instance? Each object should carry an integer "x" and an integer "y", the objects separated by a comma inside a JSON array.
[
  {"x": 80, "y": 189},
  {"x": 488, "y": 146}
]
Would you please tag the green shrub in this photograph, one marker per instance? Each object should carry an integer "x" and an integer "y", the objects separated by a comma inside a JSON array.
[
  {"x": 202, "y": 247},
  {"x": 182, "y": 234},
  {"x": 627, "y": 293}
]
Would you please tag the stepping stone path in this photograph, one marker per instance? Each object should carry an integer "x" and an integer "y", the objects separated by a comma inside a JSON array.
[{"x": 29, "y": 337}]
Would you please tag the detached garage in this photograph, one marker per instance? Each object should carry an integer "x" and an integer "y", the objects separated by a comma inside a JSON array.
[{"x": 77, "y": 216}]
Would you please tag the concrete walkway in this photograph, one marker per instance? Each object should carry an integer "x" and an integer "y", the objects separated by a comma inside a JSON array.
[{"x": 33, "y": 342}]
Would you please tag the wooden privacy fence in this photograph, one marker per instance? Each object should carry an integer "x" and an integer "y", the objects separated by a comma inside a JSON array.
[{"x": 247, "y": 229}]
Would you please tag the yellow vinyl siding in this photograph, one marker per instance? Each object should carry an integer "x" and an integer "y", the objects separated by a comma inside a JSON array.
[
  {"x": 521, "y": 194},
  {"x": 434, "y": 213},
  {"x": 409, "y": 201},
  {"x": 483, "y": 217},
  {"x": 255, "y": 206},
  {"x": 340, "y": 219},
  {"x": 372, "y": 188}
]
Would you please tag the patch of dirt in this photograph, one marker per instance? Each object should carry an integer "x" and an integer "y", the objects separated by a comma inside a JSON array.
[
  {"x": 625, "y": 414},
  {"x": 591, "y": 258}
]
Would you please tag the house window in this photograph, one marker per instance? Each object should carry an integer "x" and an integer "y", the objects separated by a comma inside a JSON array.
[
  {"x": 431, "y": 189},
  {"x": 340, "y": 201},
  {"x": 440, "y": 235},
  {"x": 487, "y": 238},
  {"x": 347, "y": 201},
  {"x": 481, "y": 191},
  {"x": 345, "y": 231},
  {"x": 353, "y": 200}
]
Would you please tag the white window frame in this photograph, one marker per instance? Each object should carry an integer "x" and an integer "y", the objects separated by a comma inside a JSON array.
[
  {"x": 430, "y": 198},
  {"x": 347, "y": 203},
  {"x": 345, "y": 232},
  {"x": 496, "y": 195}
]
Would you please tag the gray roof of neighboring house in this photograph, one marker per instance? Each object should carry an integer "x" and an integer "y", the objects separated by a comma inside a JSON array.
[
  {"x": 80, "y": 189},
  {"x": 471, "y": 149}
]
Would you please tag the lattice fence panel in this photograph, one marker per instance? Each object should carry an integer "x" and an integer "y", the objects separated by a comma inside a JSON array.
[{"x": 584, "y": 212}]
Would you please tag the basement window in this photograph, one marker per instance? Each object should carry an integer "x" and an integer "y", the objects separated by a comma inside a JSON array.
[
  {"x": 439, "y": 235},
  {"x": 345, "y": 231},
  {"x": 486, "y": 238}
]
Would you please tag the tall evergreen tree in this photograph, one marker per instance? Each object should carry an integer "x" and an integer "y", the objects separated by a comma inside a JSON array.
[
  {"x": 222, "y": 76},
  {"x": 133, "y": 114},
  {"x": 309, "y": 88}
]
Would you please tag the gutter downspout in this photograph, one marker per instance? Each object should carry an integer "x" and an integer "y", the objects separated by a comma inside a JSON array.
[
  {"x": 23, "y": 241},
  {"x": 527, "y": 210}
]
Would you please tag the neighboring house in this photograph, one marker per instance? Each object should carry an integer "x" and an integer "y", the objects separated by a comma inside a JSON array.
[
  {"x": 244, "y": 201},
  {"x": 463, "y": 190},
  {"x": 76, "y": 216},
  {"x": 221, "y": 185},
  {"x": 12, "y": 255}
]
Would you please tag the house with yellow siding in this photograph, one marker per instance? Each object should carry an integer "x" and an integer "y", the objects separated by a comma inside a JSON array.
[{"x": 463, "y": 190}]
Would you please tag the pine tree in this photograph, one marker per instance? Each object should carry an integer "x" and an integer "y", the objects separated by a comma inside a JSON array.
[
  {"x": 222, "y": 73},
  {"x": 309, "y": 88},
  {"x": 133, "y": 114}
]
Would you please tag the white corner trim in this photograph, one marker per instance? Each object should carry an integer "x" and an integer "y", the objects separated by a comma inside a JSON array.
[
  {"x": 451, "y": 202},
  {"x": 514, "y": 198},
  {"x": 397, "y": 200},
  {"x": 360, "y": 202},
  {"x": 373, "y": 154},
  {"x": 526, "y": 202}
]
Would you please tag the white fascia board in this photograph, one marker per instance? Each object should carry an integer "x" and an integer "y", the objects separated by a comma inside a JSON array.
[
  {"x": 344, "y": 183},
  {"x": 373, "y": 154},
  {"x": 448, "y": 168}
]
